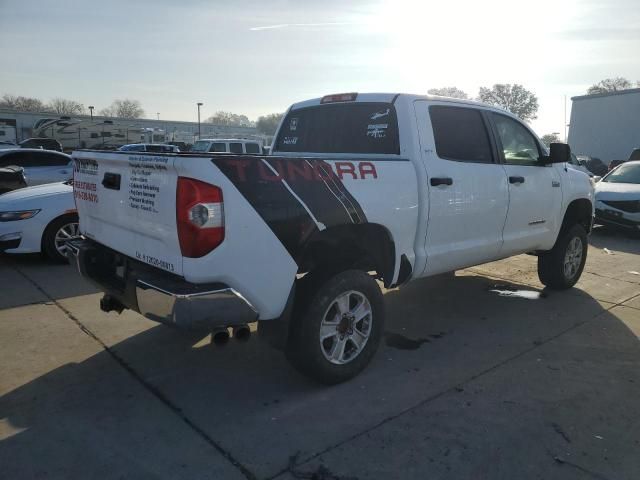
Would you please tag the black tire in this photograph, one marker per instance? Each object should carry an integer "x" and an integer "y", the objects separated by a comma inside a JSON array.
[
  {"x": 551, "y": 264},
  {"x": 319, "y": 300},
  {"x": 49, "y": 237}
]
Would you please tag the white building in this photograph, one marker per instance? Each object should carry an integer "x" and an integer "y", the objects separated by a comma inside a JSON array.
[{"x": 606, "y": 125}]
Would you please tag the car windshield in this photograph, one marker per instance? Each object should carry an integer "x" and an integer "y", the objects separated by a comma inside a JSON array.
[
  {"x": 625, "y": 173},
  {"x": 200, "y": 146}
]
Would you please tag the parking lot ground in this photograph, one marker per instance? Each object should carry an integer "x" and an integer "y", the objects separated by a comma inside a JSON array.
[{"x": 482, "y": 374}]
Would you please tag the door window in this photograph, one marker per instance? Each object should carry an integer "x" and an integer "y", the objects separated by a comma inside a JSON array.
[
  {"x": 218, "y": 147},
  {"x": 518, "y": 144},
  {"x": 252, "y": 147},
  {"x": 460, "y": 134},
  {"x": 52, "y": 159},
  {"x": 235, "y": 147}
]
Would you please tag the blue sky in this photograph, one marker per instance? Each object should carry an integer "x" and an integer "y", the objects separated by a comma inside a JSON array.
[{"x": 257, "y": 57}]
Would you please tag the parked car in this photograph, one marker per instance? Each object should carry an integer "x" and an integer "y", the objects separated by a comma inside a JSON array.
[
  {"x": 594, "y": 165},
  {"x": 405, "y": 186},
  {"x": 38, "y": 219},
  {"x": 635, "y": 155},
  {"x": 227, "y": 145},
  {"x": 149, "y": 147},
  {"x": 183, "y": 146},
  {"x": 40, "y": 166},
  {"x": 42, "y": 143},
  {"x": 6, "y": 145},
  {"x": 579, "y": 165},
  {"x": 618, "y": 197},
  {"x": 11, "y": 178}
]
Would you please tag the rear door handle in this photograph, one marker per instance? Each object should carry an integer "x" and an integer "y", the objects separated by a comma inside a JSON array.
[
  {"x": 435, "y": 181},
  {"x": 516, "y": 179}
]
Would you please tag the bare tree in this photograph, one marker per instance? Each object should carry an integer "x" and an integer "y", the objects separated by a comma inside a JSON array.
[
  {"x": 230, "y": 119},
  {"x": 22, "y": 104},
  {"x": 515, "y": 98},
  {"x": 453, "y": 92},
  {"x": 550, "y": 138},
  {"x": 125, "y": 108},
  {"x": 267, "y": 124},
  {"x": 63, "y": 106},
  {"x": 610, "y": 85}
]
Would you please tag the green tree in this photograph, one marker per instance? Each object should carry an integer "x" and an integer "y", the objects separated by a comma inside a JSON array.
[
  {"x": 550, "y": 138},
  {"x": 453, "y": 92},
  {"x": 229, "y": 119},
  {"x": 515, "y": 98},
  {"x": 267, "y": 124},
  {"x": 609, "y": 85}
]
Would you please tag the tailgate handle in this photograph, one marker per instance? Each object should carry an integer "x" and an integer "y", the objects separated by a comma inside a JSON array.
[{"x": 111, "y": 181}]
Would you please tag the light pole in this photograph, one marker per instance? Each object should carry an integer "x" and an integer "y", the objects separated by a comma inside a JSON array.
[
  {"x": 199, "y": 105},
  {"x": 91, "y": 107},
  {"x": 158, "y": 114}
]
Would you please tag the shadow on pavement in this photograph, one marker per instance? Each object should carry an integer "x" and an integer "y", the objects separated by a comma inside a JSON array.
[{"x": 255, "y": 406}]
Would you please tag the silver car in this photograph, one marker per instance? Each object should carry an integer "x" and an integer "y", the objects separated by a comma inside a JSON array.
[{"x": 618, "y": 197}]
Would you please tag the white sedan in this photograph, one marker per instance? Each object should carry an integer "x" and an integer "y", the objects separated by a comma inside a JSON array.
[
  {"x": 618, "y": 197},
  {"x": 38, "y": 219}
]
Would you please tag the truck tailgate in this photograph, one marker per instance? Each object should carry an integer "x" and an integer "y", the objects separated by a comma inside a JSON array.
[{"x": 126, "y": 201}]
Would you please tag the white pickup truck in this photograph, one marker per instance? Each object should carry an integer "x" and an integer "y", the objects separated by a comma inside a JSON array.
[{"x": 358, "y": 187}]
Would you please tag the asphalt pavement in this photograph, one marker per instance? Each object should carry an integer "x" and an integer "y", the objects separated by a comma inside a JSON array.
[{"x": 482, "y": 374}]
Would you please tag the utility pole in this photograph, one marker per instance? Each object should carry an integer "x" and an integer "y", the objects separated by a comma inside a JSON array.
[
  {"x": 91, "y": 107},
  {"x": 199, "y": 105}
]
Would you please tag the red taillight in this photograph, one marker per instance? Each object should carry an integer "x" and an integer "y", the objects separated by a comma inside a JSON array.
[{"x": 200, "y": 217}]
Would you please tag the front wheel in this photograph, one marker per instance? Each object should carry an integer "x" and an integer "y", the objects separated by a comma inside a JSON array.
[
  {"x": 336, "y": 332},
  {"x": 561, "y": 267},
  {"x": 56, "y": 235}
]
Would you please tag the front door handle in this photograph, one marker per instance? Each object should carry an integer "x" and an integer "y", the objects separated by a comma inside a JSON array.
[
  {"x": 435, "y": 181},
  {"x": 516, "y": 179}
]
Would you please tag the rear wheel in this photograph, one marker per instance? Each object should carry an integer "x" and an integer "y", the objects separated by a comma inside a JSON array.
[
  {"x": 561, "y": 267},
  {"x": 56, "y": 235},
  {"x": 336, "y": 329}
]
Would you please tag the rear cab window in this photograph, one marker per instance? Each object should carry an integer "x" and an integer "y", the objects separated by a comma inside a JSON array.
[
  {"x": 354, "y": 127},
  {"x": 252, "y": 148}
]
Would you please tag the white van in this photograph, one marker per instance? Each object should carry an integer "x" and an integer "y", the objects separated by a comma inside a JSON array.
[{"x": 227, "y": 145}]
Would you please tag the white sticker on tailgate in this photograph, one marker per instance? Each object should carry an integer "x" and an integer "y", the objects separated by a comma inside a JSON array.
[{"x": 142, "y": 190}]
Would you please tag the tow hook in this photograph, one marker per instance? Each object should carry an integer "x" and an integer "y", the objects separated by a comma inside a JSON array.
[{"x": 109, "y": 304}]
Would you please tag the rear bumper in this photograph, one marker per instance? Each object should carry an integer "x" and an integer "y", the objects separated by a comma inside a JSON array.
[{"x": 159, "y": 295}]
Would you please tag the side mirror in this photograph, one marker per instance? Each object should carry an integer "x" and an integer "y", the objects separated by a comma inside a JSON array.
[{"x": 559, "y": 153}]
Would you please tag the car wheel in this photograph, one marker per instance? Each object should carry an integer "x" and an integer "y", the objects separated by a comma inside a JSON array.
[
  {"x": 56, "y": 235},
  {"x": 561, "y": 267},
  {"x": 336, "y": 328}
]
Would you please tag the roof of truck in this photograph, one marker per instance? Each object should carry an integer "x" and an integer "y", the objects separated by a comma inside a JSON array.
[{"x": 391, "y": 98}]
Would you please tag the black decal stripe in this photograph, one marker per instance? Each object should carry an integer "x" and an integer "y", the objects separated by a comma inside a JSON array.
[
  {"x": 292, "y": 194},
  {"x": 279, "y": 209}
]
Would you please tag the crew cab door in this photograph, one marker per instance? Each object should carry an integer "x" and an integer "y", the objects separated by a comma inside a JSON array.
[
  {"x": 468, "y": 193},
  {"x": 535, "y": 194}
]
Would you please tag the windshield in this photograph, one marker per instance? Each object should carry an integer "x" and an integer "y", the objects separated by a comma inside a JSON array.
[
  {"x": 625, "y": 173},
  {"x": 341, "y": 128},
  {"x": 200, "y": 146}
]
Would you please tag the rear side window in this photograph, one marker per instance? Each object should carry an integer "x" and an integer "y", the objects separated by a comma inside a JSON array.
[
  {"x": 235, "y": 147},
  {"x": 361, "y": 128},
  {"x": 21, "y": 159},
  {"x": 252, "y": 147},
  {"x": 53, "y": 160},
  {"x": 460, "y": 134},
  {"x": 218, "y": 147}
]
